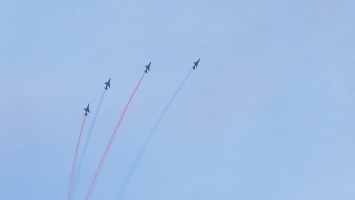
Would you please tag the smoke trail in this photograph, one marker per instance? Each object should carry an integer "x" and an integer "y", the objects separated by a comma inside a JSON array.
[
  {"x": 108, "y": 146},
  {"x": 135, "y": 163},
  {"x": 83, "y": 153},
  {"x": 70, "y": 187}
]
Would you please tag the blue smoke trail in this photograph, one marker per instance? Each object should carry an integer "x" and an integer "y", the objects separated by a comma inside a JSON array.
[
  {"x": 135, "y": 163},
  {"x": 82, "y": 157}
]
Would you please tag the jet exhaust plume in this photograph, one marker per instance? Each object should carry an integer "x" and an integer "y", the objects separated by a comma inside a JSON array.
[
  {"x": 108, "y": 146},
  {"x": 83, "y": 152},
  {"x": 72, "y": 173},
  {"x": 136, "y": 161}
]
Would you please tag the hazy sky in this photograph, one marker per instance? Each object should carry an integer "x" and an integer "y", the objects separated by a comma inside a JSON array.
[{"x": 269, "y": 113}]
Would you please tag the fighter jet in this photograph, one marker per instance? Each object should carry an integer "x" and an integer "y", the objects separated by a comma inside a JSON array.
[
  {"x": 195, "y": 65},
  {"x": 107, "y": 84},
  {"x": 147, "y": 68},
  {"x": 87, "y": 110}
]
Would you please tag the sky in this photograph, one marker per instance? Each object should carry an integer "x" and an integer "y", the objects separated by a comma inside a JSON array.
[{"x": 268, "y": 114}]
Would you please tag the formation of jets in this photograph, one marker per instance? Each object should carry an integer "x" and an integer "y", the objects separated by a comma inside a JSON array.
[{"x": 147, "y": 69}]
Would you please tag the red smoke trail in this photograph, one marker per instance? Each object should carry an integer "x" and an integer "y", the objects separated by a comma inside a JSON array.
[
  {"x": 108, "y": 146},
  {"x": 70, "y": 188}
]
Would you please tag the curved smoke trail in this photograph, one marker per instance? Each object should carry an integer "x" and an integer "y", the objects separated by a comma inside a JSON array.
[
  {"x": 108, "y": 146},
  {"x": 71, "y": 180},
  {"x": 135, "y": 163},
  {"x": 83, "y": 152}
]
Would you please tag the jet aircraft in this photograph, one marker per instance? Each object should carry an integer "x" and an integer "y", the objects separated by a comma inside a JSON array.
[
  {"x": 147, "y": 68},
  {"x": 107, "y": 84},
  {"x": 87, "y": 110},
  {"x": 195, "y": 65}
]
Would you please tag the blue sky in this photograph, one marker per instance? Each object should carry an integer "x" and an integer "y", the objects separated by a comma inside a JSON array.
[{"x": 269, "y": 114}]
